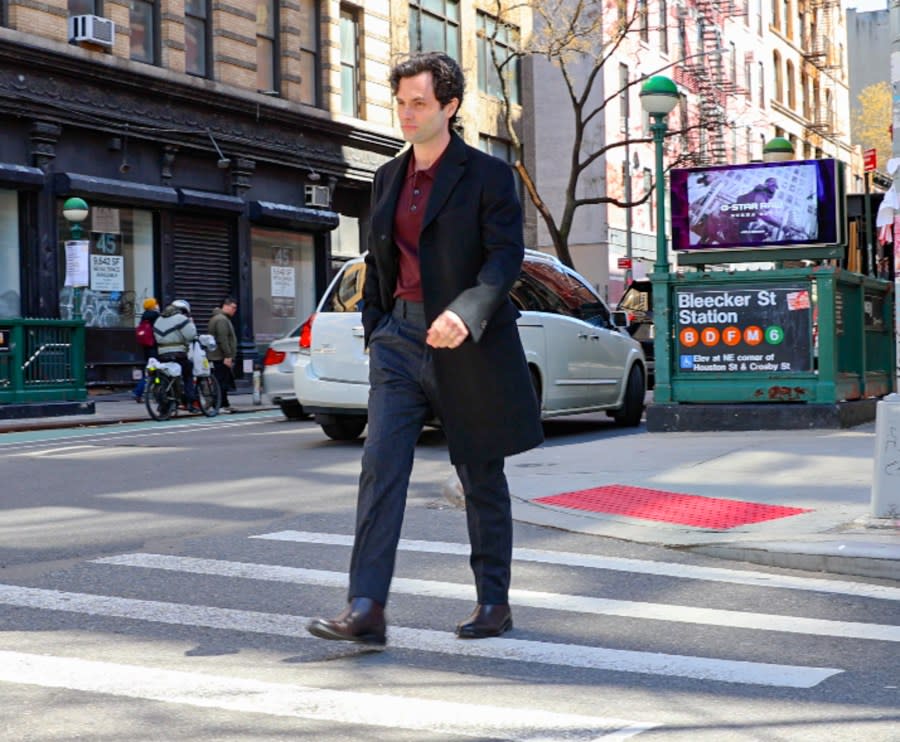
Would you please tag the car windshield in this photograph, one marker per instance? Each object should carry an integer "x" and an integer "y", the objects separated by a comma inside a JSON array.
[
  {"x": 346, "y": 294},
  {"x": 549, "y": 287},
  {"x": 636, "y": 299}
]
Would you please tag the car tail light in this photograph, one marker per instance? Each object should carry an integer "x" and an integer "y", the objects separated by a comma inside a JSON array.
[
  {"x": 306, "y": 332},
  {"x": 273, "y": 357}
]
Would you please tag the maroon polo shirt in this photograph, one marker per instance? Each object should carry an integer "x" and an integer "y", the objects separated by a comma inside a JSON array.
[{"x": 408, "y": 224}]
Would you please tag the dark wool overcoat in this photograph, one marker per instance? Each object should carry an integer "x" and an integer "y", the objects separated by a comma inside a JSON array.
[{"x": 470, "y": 253}]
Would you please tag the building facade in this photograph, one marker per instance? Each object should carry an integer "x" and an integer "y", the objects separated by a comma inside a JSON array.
[
  {"x": 222, "y": 149},
  {"x": 869, "y": 62}
]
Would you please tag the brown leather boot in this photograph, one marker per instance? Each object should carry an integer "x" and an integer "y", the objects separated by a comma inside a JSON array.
[
  {"x": 486, "y": 620},
  {"x": 362, "y": 621}
]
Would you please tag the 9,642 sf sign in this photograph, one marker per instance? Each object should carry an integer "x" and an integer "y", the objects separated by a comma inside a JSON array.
[{"x": 756, "y": 328}]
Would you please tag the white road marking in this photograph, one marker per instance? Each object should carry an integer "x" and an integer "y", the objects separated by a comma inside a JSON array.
[
  {"x": 103, "y": 432},
  {"x": 296, "y": 701},
  {"x": 92, "y": 452},
  {"x": 513, "y": 650},
  {"x": 531, "y": 598},
  {"x": 619, "y": 564}
]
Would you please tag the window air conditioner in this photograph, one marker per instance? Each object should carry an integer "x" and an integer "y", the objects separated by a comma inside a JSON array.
[
  {"x": 317, "y": 195},
  {"x": 92, "y": 29}
]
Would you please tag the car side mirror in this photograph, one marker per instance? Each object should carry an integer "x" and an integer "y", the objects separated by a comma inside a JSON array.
[{"x": 619, "y": 319}]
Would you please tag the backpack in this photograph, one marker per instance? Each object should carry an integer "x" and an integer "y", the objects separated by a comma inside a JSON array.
[{"x": 144, "y": 334}]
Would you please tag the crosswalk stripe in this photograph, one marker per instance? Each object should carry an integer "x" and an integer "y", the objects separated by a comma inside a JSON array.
[
  {"x": 148, "y": 428},
  {"x": 531, "y": 598},
  {"x": 279, "y": 699},
  {"x": 515, "y": 650},
  {"x": 620, "y": 564}
]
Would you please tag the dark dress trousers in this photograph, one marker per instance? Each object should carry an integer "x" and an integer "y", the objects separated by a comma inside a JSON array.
[{"x": 470, "y": 253}]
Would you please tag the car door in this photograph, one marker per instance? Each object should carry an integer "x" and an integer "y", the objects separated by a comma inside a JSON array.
[
  {"x": 566, "y": 357},
  {"x": 585, "y": 355},
  {"x": 337, "y": 350}
]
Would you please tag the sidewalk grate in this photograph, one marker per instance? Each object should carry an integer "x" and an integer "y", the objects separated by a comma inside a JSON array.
[{"x": 669, "y": 507}]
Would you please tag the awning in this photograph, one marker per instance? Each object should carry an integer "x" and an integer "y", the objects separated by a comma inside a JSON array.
[
  {"x": 21, "y": 176},
  {"x": 210, "y": 200},
  {"x": 293, "y": 217},
  {"x": 117, "y": 190}
]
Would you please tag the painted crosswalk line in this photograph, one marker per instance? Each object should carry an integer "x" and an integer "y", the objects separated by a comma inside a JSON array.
[
  {"x": 343, "y": 707},
  {"x": 620, "y": 564},
  {"x": 143, "y": 430},
  {"x": 531, "y": 598},
  {"x": 506, "y": 649}
]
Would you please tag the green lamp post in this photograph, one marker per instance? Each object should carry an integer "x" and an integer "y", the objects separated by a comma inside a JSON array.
[
  {"x": 778, "y": 149},
  {"x": 659, "y": 95},
  {"x": 75, "y": 211}
]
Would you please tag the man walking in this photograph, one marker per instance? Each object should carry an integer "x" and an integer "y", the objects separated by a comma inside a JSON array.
[
  {"x": 445, "y": 248},
  {"x": 222, "y": 358}
]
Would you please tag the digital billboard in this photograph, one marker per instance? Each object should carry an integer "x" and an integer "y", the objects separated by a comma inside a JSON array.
[{"x": 765, "y": 204}]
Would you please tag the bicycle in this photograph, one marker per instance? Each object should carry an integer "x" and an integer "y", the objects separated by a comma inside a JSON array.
[{"x": 165, "y": 390}]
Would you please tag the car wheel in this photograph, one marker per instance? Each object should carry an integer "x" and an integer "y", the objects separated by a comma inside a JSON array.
[
  {"x": 293, "y": 410},
  {"x": 633, "y": 404},
  {"x": 342, "y": 427}
]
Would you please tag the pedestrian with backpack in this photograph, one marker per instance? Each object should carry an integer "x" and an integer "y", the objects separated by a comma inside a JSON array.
[
  {"x": 175, "y": 331},
  {"x": 145, "y": 338}
]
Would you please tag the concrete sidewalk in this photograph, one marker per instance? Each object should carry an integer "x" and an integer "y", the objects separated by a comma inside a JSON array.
[{"x": 825, "y": 472}]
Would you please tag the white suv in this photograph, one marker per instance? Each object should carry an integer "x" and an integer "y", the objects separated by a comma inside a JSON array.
[{"x": 581, "y": 357}]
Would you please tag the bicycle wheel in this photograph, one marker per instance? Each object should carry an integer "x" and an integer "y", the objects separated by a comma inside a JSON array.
[
  {"x": 208, "y": 393},
  {"x": 158, "y": 397}
]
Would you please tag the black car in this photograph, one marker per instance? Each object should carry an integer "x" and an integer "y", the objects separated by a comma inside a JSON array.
[{"x": 637, "y": 303}]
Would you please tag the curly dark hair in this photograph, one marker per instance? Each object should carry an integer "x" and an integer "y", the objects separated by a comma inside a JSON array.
[{"x": 446, "y": 75}]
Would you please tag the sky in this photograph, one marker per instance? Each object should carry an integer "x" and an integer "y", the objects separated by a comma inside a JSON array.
[{"x": 863, "y": 6}]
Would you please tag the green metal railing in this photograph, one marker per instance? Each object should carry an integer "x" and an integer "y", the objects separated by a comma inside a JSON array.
[
  {"x": 42, "y": 360},
  {"x": 817, "y": 334}
]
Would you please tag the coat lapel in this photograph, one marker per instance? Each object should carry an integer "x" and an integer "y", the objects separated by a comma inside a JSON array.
[
  {"x": 448, "y": 174},
  {"x": 383, "y": 218}
]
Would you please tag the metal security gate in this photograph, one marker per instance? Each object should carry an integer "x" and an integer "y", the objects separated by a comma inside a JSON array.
[{"x": 203, "y": 263}]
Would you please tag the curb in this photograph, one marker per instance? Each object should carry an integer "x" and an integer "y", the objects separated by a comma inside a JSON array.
[
  {"x": 873, "y": 555},
  {"x": 25, "y": 425},
  {"x": 854, "y": 558}
]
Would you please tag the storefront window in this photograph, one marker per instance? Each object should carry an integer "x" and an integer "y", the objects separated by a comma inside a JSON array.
[
  {"x": 10, "y": 302},
  {"x": 121, "y": 266},
  {"x": 283, "y": 282}
]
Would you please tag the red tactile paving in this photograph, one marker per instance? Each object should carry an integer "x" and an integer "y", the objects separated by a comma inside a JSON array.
[{"x": 669, "y": 507}]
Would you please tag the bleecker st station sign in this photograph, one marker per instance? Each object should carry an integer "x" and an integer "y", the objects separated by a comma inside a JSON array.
[{"x": 753, "y": 328}]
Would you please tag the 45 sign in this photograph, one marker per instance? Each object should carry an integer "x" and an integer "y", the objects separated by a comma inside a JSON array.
[{"x": 759, "y": 328}]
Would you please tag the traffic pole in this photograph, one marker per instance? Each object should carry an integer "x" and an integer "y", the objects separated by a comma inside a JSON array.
[{"x": 895, "y": 132}]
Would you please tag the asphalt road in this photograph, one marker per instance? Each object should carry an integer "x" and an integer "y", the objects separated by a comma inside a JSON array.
[{"x": 155, "y": 580}]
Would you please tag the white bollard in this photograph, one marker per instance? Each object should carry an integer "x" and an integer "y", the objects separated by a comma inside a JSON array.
[
  {"x": 257, "y": 386},
  {"x": 886, "y": 482}
]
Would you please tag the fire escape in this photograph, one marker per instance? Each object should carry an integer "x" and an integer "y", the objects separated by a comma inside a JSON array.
[
  {"x": 704, "y": 74},
  {"x": 820, "y": 53}
]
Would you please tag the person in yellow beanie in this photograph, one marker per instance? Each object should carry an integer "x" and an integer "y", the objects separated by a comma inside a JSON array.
[{"x": 150, "y": 315}]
